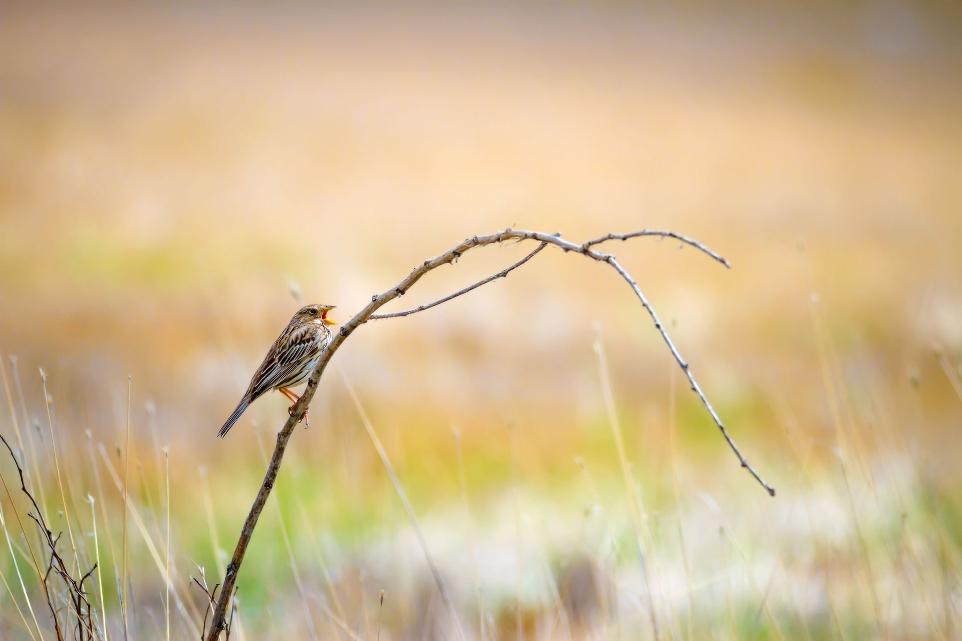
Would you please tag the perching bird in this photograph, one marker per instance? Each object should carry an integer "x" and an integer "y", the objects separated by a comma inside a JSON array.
[{"x": 291, "y": 358}]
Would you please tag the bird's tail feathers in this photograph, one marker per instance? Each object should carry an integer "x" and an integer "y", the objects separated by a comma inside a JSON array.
[{"x": 233, "y": 417}]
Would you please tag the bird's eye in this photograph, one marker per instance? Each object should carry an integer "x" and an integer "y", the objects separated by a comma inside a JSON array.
[{"x": 312, "y": 312}]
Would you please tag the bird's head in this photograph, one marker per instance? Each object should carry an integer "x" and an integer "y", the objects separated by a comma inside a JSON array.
[{"x": 315, "y": 314}]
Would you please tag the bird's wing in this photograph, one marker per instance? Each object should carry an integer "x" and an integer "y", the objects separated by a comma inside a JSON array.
[{"x": 289, "y": 353}]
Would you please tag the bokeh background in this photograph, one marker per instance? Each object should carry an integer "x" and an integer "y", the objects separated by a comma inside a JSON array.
[{"x": 173, "y": 179}]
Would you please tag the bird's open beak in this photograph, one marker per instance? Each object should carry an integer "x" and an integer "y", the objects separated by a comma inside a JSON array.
[{"x": 327, "y": 321}]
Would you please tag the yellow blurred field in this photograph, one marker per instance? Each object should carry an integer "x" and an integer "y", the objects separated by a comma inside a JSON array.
[{"x": 169, "y": 177}]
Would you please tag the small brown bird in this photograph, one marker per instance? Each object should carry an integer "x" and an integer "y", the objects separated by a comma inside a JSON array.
[{"x": 291, "y": 358}]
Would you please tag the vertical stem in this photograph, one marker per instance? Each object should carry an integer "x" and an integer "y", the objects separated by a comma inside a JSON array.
[
  {"x": 16, "y": 567},
  {"x": 408, "y": 508},
  {"x": 633, "y": 503},
  {"x": 100, "y": 571},
  {"x": 211, "y": 521},
  {"x": 56, "y": 464},
  {"x": 124, "y": 569},
  {"x": 673, "y": 455},
  {"x": 167, "y": 547},
  {"x": 26, "y": 428}
]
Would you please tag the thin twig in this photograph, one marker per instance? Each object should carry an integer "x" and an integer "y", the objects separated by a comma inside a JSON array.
[
  {"x": 210, "y": 601},
  {"x": 76, "y": 594},
  {"x": 230, "y": 619},
  {"x": 377, "y": 301},
  {"x": 663, "y": 234},
  {"x": 686, "y": 368},
  {"x": 211, "y": 594},
  {"x": 501, "y": 274}
]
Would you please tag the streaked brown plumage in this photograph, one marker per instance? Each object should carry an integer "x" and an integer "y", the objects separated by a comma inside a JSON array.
[{"x": 291, "y": 358}]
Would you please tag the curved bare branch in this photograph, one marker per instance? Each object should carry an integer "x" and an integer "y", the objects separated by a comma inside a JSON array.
[
  {"x": 662, "y": 233},
  {"x": 461, "y": 292},
  {"x": 379, "y": 300}
]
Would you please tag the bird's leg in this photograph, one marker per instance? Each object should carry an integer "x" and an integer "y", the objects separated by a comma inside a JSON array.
[{"x": 293, "y": 398}]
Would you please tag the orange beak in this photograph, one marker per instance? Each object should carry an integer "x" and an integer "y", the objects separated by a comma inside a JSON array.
[{"x": 325, "y": 319}]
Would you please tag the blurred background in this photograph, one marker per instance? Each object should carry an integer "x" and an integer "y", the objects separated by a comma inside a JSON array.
[{"x": 173, "y": 180}]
